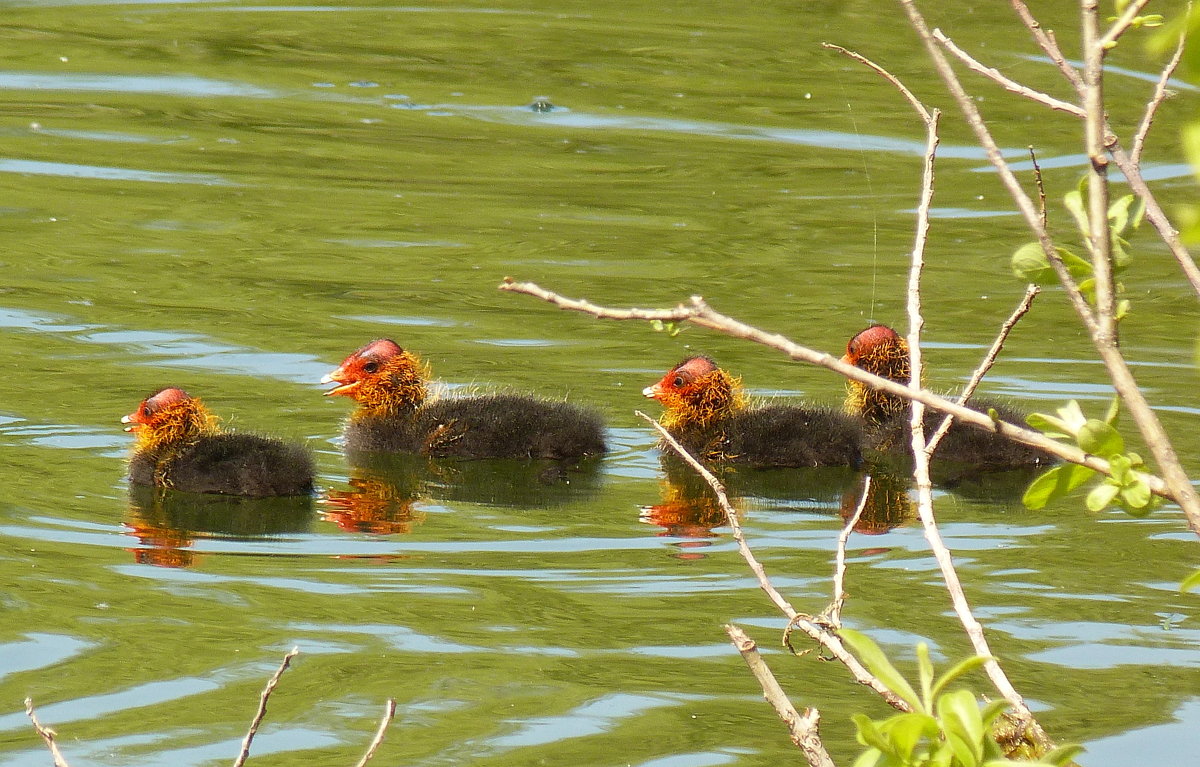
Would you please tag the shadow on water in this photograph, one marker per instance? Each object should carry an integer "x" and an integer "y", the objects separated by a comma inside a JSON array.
[{"x": 167, "y": 522}]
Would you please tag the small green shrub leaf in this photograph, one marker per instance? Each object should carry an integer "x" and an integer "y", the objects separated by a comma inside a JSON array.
[
  {"x": 878, "y": 664},
  {"x": 957, "y": 670},
  {"x": 1190, "y": 582},
  {"x": 1101, "y": 496},
  {"x": 1098, "y": 438},
  {"x": 1055, "y": 484}
]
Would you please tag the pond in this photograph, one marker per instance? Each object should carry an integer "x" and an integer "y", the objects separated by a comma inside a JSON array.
[{"x": 230, "y": 197}]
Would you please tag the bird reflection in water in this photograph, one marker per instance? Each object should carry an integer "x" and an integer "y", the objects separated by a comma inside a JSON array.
[
  {"x": 167, "y": 523},
  {"x": 687, "y": 511},
  {"x": 387, "y": 489},
  {"x": 888, "y": 503},
  {"x": 375, "y": 503}
]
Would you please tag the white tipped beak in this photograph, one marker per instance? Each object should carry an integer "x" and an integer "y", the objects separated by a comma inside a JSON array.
[
  {"x": 650, "y": 391},
  {"x": 126, "y": 419},
  {"x": 328, "y": 379}
]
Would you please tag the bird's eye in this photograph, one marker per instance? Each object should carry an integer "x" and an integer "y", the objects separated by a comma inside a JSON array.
[
  {"x": 371, "y": 367},
  {"x": 146, "y": 409},
  {"x": 678, "y": 381}
]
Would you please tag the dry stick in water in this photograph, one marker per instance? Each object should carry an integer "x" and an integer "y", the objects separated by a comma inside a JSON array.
[
  {"x": 806, "y": 623},
  {"x": 47, "y": 735},
  {"x": 388, "y": 713},
  {"x": 802, "y": 727},
  {"x": 1178, "y": 485},
  {"x": 700, "y": 313},
  {"x": 833, "y": 613},
  {"x": 262, "y": 706}
]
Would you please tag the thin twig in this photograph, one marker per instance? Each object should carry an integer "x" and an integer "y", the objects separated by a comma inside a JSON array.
[
  {"x": 801, "y": 727},
  {"x": 833, "y": 614},
  {"x": 921, "y": 456},
  {"x": 699, "y": 313},
  {"x": 1045, "y": 40},
  {"x": 262, "y": 706},
  {"x": 1160, "y": 94},
  {"x": 989, "y": 359},
  {"x": 47, "y": 735},
  {"x": 904, "y": 91},
  {"x": 806, "y": 623},
  {"x": 1041, "y": 187},
  {"x": 388, "y": 712},
  {"x": 1094, "y": 130},
  {"x": 1005, "y": 82},
  {"x": 1121, "y": 25}
]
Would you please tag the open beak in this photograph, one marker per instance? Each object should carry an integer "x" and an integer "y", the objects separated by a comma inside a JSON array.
[
  {"x": 652, "y": 392},
  {"x": 344, "y": 386},
  {"x": 133, "y": 424}
]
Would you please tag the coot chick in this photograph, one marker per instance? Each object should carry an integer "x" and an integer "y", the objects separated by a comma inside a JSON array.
[
  {"x": 396, "y": 414},
  {"x": 180, "y": 446},
  {"x": 880, "y": 350},
  {"x": 707, "y": 412}
]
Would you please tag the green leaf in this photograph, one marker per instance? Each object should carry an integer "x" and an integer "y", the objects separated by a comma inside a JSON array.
[
  {"x": 925, "y": 674},
  {"x": 878, "y": 664},
  {"x": 1118, "y": 213},
  {"x": 1049, "y": 425},
  {"x": 1137, "y": 213},
  {"x": 992, "y": 711},
  {"x": 868, "y": 758},
  {"x": 1055, "y": 484},
  {"x": 905, "y": 732},
  {"x": 1063, "y": 754},
  {"x": 1098, "y": 438},
  {"x": 1122, "y": 469},
  {"x": 1072, "y": 416},
  {"x": 1114, "y": 410},
  {"x": 1029, "y": 264},
  {"x": 957, "y": 670},
  {"x": 964, "y": 753},
  {"x": 1074, "y": 202},
  {"x": 959, "y": 714},
  {"x": 868, "y": 733},
  {"x": 1122, "y": 310},
  {"x": 1101, "y": 496},
  {"x": 1136, "y": 494},
  {"x": 1190, "y": 582}
]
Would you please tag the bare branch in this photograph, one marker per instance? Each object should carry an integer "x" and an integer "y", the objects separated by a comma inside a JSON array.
[
  {"x": 916, "y": 104},
  {"x": 47, "y": 735},
  {"x": 801, "y": 727},
  {"x": 705, "y": 316},
  {"x": 1041, "y": 187},
  {"x": 833, "y": 613},
  {"x": 1121, "y": 25},
  {"x": 1160, "y": 94},
  {"x": 806, "y": 623},
  {"x": 1156, "y": 216},
  {"x": 989, "y": 359},
  {"x": 388, "y": 712},
  {"x": 1007, "y": 83},
  {"x": 262, "y": 706},
  {"x": 1045, "y": 40},
  {"x": 921, "y": 456}
]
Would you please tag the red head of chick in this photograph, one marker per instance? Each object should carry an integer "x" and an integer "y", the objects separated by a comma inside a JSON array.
[
  {"x": 879, "y": 350},
  {"x": 180, "y": 446},
  {"x": 706, "y": 411},
  {"x": 697, "y": 393},
  {"x": 382, "y": 378},
  {"x": 169, "y": 417}
]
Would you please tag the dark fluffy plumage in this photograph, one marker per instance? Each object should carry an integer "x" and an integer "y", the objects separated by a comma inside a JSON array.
[
  {"x": 964, "y": 444},
  {"x": 229, "y": 464},
  {"x": 489, "y": 426},
  {"x": 778, "y": 435}
]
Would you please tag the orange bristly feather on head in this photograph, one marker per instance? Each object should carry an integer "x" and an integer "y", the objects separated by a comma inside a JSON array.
[
  {"x": 709, "y": 398},
  {"x": 888, "y": 359},
  {"x": 398, "y": 387},
  {"x": 179, "y": 423}
]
